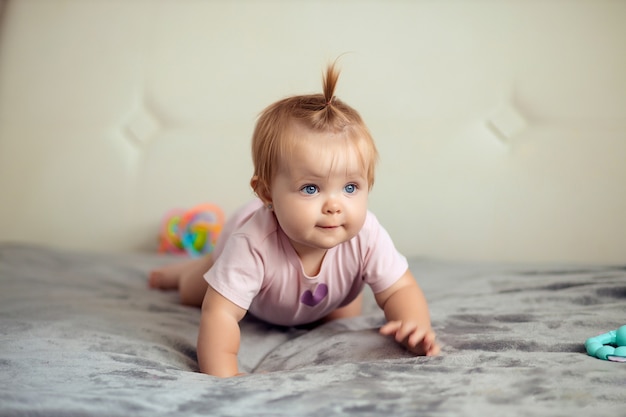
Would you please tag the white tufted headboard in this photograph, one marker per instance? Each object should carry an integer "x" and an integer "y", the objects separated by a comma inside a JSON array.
[{"x": 501, "y": 124}]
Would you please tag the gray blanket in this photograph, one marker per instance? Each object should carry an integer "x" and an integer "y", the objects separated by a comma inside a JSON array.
[{"x": 82, "y": 335}]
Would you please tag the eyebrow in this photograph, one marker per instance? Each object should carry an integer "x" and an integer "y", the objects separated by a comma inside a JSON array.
[{"x": 355, "y": 174}]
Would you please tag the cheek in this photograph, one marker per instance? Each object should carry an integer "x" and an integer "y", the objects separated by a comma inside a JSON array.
[
  {"x": 361, "y": 218},
  {"x": 359, "y": 209},
  {"x": 291, "y": 213}
]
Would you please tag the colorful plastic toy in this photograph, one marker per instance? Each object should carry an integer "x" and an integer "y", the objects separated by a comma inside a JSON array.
[
  {"x": 609, "y": 346},
  {"x": 193, "y": 232}
]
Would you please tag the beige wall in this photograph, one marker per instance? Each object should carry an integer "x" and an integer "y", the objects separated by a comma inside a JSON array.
[{"x": 112, "y": 112}]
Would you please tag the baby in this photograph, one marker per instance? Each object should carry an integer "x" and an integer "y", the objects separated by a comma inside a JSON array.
[{"x": 303, "y": 250}]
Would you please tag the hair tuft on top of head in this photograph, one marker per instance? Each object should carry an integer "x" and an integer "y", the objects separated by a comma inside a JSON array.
[{"x": 330, "y": 78}]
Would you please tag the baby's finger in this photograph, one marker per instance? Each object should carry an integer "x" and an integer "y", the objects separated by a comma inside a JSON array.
[
  {"x": 428, "y": 340},
  {"x": 416, "y": 338},
  {"x": 432, "y": 337},
  {"x": 434, "y": 350},
  {"x": 409, "y": 334},
  {"x": 390, "y": 327},
  {"x": 430, "y": 344}
]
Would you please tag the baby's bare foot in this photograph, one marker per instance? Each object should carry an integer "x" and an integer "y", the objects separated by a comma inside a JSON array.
[{"x": 163, "y": 280}]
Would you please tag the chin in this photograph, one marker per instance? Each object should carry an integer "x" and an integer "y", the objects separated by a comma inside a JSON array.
[{"x": 330, "y": 245}]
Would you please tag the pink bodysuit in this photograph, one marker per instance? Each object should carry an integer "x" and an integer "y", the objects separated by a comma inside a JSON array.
[{"x": 257, "y": 268}]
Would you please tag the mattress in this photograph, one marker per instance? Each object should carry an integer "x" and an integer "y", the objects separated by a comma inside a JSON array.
[{"x": 81, "y": 334}]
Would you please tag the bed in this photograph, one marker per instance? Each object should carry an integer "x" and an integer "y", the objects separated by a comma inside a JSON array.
[
  {"x": 112, "y": 113},
  {"x": 81, "y": 334}
]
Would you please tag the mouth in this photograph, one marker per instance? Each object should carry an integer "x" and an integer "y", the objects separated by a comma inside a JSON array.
[{"x": 328, "y": 227}]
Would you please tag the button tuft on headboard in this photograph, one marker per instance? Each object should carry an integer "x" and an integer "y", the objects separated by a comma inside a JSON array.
[
  {"x": 506, "y": 122},
  {"x": 142, "y": 126}
]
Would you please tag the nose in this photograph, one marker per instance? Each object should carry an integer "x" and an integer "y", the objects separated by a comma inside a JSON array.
[{"x": 332, "y": 205}]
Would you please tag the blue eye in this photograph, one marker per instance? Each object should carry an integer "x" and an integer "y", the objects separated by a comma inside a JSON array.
[
  {"x": 350, "y": 188},
  {"x": 309, "y": 189}
]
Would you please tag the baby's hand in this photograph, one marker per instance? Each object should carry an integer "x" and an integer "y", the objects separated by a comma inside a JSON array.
[{"x": 421, "y": 341}]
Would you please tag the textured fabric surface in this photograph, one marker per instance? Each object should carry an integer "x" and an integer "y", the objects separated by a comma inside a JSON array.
[{"x": 81, "y": 335}]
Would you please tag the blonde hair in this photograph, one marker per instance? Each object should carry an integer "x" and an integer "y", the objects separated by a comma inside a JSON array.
[{"x": 273, "y": 141}]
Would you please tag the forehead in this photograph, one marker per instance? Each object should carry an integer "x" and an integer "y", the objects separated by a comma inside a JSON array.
[{"x": 324, "y": 153}]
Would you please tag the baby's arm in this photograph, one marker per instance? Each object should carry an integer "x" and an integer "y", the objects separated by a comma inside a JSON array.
[
  {"x": 408, "y": 319},
  {"x": 219, "y": 336}
]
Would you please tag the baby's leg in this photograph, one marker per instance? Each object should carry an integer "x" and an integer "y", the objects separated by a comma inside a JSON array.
[
  {"x": 167, "y": 277},
  {"x": 186, "y": 276}
]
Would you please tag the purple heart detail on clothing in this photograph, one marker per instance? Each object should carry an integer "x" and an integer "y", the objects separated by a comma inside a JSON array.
[{"x": 314, "y": 298}]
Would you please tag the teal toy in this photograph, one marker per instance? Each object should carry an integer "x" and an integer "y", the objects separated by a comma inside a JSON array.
[{"x": 609, "y": 346}]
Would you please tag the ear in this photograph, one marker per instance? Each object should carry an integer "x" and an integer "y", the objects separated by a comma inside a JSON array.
[{"x": 261, "y": 189}]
